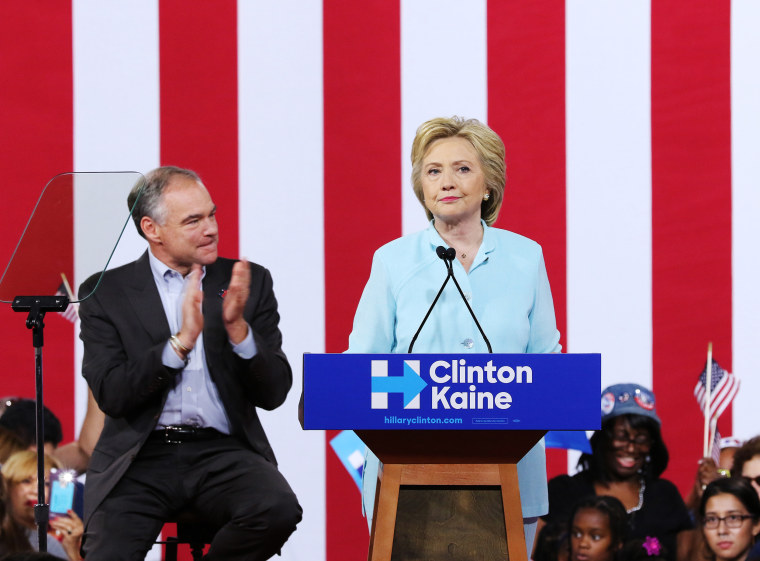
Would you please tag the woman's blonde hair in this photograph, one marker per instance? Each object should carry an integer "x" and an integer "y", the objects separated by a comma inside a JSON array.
[
  {"x": 487, "y": 144},
  {"x": 24, "y": 464}
]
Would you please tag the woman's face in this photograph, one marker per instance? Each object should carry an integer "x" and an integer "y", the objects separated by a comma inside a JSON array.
[
  {"x": 23, "y": 497},
  {"x": 728, "y": 543},
  {"x": 453, "y": 182},
  {"x": 629, "y": 448},
  {"x": 590, "y": 536},
  {"x": 751, "y": 469}
]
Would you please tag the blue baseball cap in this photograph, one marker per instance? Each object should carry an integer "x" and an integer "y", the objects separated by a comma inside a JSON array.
[{"x": 623, "y": 399}]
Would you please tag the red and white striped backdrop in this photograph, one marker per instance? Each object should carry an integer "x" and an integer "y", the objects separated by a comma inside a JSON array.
[{"x": 633, "y": 156}]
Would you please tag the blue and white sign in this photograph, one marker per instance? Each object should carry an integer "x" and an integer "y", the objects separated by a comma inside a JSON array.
[{"x": 452, "y": 392}]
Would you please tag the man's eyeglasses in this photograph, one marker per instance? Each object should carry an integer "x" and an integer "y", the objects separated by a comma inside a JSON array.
[{"x": 732, "y": 521}]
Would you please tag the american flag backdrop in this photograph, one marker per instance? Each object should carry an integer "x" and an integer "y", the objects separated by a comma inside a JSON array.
[{"x": 633, "y": 155}]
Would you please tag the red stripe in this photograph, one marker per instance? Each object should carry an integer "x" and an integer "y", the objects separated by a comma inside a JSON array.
[
  {"x": 362, "y": 199},
  {"x": 691, "y": 213},
  {"x": 36, "y": 120},
  {"x": 199, "y": 115},
  {"x": 526, "y": 106}
]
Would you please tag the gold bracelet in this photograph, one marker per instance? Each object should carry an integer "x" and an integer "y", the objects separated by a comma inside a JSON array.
[{"x": 177, "y": 344}]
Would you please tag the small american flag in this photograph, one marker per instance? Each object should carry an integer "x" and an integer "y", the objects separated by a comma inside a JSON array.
[
  {"x": 715, "y": 448},
  {"x": 723, "y": 388},
  {"x": 72, "y": 312}
]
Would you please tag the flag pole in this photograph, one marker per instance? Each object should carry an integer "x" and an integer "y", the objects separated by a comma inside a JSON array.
[
  {"x": 67, "y": 286},
  {"x": 708, "y": 399}
]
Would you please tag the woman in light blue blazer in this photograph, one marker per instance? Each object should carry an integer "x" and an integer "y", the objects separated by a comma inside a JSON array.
[{"x": 458, "y": 175}]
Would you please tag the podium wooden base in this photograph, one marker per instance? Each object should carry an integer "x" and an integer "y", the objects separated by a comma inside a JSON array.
[
  {"x": 447, "y": 459},
  {"x": 393, "y": 476}
]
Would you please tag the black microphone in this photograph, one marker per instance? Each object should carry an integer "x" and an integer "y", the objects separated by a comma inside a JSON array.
[
  {"x": 444, "y": 254},
  {"x": 450, "y": 255}
]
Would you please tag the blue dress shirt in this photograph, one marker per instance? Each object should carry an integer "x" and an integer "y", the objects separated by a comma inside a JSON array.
[
  {"x": 508, "y": 290},
  {"x": 194, "y": 399}
]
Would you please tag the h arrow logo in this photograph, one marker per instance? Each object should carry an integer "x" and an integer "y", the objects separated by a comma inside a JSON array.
[{"x": 409, "y": 383}]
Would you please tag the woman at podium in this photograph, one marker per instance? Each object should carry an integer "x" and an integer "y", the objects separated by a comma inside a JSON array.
[{"x": 458, "y": 175}]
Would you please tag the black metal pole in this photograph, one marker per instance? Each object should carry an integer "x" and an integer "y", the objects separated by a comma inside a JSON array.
[
  {"x": 37, "y": 306},
  {"x": 41, "y": 509}
]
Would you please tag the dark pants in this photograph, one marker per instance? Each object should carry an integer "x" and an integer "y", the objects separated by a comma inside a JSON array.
[{"x": 225, "y": 483}]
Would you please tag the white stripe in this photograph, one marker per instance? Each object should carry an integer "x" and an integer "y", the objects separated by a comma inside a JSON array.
[
  {"x": 443, "y": 73},
  {"x": 116, "y": 127},
  {"x": 745, "y": 150},
  {"x": 281, "y": 222},
  {"x": 116, "y": 122},
  {"x": 609, "y": 287}
]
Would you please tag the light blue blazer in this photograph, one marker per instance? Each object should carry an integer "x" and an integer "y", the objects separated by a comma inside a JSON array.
[{"x": 507, "y": 288}]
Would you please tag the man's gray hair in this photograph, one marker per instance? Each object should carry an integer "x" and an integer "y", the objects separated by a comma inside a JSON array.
[{"x": 145, "y": 197}]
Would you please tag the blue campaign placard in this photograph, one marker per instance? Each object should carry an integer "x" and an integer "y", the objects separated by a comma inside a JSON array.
[{"x": 452, "y": 392}]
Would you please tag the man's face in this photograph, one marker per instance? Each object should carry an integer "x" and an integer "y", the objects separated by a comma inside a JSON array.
[{"x": 189, "y": 233}]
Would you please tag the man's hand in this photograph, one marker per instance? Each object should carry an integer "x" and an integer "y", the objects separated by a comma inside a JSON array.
[
  {"x": 234, "y": 302},
  {"x": 192, "y": 313}
]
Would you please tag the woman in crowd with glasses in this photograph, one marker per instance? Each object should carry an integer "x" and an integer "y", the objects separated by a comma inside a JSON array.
[
  {"x": 747, "y": 464},
  {"x": 628, "y": 456},
  {"x": 730, "y": 518}
]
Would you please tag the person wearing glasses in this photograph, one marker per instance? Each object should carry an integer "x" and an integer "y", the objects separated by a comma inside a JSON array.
[
  {"x": 628, "y": 456},
  {"x": 747, "y": 464},
  {"x": 730, "y": 518}
]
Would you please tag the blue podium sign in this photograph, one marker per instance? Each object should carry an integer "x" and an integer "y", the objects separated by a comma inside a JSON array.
[{"x": 452, "y": 392}]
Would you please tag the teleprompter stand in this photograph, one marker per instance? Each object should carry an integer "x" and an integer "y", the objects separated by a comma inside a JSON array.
[
  {"x": 36, "y": 308},
  {"x": 43, "y": 263}
]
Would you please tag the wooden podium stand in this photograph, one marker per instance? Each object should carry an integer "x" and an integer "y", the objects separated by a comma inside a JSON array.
[
  {"x": 447, "y": 458},
  {"x": 463, "y": 422}
]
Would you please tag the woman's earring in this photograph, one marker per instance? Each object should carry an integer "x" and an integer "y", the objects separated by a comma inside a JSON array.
[{"x": 486, "y": 196}]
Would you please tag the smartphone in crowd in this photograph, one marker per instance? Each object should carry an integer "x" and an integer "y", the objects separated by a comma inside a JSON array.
[{"x": 62, "y": 489}]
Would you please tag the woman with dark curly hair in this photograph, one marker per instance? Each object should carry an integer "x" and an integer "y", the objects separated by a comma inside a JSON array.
[{"x": 628, "y": 456}]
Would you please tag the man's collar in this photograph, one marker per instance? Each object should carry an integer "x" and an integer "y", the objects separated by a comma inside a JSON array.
[{"x": 159, "y": 268}]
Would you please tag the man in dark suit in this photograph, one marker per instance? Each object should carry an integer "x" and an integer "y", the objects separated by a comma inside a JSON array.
[{"x": 180, "y": 347}]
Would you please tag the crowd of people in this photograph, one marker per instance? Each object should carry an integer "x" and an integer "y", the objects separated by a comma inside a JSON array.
[
  {"x": 619, "y": 508},
  {"x": 19, "y": 489}
]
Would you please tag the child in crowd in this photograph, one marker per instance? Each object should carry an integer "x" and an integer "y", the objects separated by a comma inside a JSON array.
[
  {"x": 730, "y": 518},
  {"x": 598, "y": 528}
]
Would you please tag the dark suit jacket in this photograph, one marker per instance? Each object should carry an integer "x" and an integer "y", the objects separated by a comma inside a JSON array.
[{"x": 124, "y": 329}]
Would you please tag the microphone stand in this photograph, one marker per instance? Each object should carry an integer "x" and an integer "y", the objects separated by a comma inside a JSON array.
[
  {"x": 441, "y": 252},
  {"x": 448, "y": 256},
  {"x": 37, "y": 306},
  {"x": 449, "y": 259}
]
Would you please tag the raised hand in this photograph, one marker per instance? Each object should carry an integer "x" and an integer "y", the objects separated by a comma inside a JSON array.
[
  {"x": 70, "y": 528},
  {"x": 192, "y": 313},
  {"x": 234, "y": 302}
]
